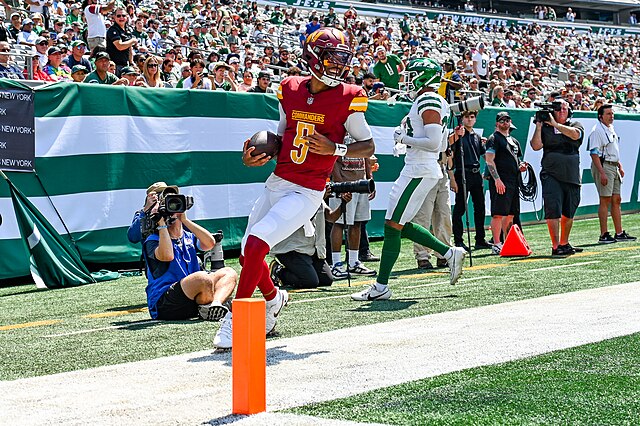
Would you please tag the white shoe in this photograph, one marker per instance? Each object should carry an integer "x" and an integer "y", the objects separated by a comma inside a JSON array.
[
  {"x": 223, "y": 337},
  {"x": 455, "y": 262},
  {"x": 273, "y": 308},
  {"x": 360, "y": 269},
  {"x": 496, "y": 249},
  {"x": 372, "y": 293},
  {"x": 339, "y": 271}
]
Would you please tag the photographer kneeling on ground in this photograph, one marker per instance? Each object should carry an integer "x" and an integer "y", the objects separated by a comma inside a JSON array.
[
  {"x": 300, "y": 260},
  {"x": 177, "y": 289}
]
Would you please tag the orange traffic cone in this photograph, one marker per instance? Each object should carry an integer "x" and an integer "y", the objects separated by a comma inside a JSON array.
[{"x": 515, "y": 244}]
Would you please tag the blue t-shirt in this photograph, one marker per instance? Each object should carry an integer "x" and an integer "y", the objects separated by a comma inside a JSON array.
[{"x": 161, "y": 275}]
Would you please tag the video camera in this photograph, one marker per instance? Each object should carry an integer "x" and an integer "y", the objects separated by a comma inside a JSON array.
[
  {"x": 471, "y": 104},
  {"x": 169, "y": 204},
  {"x": 362, "y": 186},
  {"x": 545, "y": 111}
]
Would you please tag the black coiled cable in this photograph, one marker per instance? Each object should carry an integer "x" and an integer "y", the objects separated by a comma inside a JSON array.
[
  {"x": 529, "y": 188},
  {"x": 528, "y": 185}
]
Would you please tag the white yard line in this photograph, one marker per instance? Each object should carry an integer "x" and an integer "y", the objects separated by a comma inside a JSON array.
[
  {"x": 193, "y": 388},
  {"x": 93, "y": 330},
  {"x": 564, "y": 266}
]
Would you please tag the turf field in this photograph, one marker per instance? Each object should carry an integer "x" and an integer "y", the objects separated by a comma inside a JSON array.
[
  {"x": 591, "y": 384},
  {"x": 46, "y": 332}
]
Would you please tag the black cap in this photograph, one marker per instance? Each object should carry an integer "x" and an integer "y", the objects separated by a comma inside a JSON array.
[{"x": 102, "y": 55}]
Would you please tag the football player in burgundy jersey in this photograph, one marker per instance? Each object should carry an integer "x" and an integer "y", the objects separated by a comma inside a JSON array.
[{"x": 315, "y": 114}]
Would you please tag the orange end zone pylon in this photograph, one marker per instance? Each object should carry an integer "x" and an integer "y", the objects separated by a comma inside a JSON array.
[
  {"x": 515, "y": 244},
  {"x": 249, "y": 356}
]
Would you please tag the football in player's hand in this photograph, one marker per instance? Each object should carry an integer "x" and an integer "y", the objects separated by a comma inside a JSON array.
[{"x": 265, "y": 142}]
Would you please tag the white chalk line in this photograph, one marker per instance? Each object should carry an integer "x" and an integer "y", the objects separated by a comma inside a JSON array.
[
  {"x": 564, "y": 266},
  {"x": 315, "y": 299}
]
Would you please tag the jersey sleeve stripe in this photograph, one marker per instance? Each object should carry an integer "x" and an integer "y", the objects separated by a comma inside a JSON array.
[{"x": 429, "y": 104}]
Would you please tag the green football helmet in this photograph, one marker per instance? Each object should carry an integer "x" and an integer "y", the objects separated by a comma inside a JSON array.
[{"x": 420, "y": 73}]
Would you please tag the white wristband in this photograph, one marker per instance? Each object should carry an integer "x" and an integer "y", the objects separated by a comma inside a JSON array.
[{"x": 341, "y": 150}]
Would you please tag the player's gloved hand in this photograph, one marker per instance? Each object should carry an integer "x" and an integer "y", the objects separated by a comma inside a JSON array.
[
  {"x": 399, "y": 149},
  {"x": 398, "y": 134}
]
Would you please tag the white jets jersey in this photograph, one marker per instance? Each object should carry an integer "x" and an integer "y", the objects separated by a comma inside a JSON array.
[{"x": 414, "y": 126}]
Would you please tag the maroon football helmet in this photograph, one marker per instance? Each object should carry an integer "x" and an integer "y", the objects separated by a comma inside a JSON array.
[{"x": 327, "y": 55}]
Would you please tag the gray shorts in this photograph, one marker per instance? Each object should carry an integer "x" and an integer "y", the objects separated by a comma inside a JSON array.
[{"x": 358, "y": 209}]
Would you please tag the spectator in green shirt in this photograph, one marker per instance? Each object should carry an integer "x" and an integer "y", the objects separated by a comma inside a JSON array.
[
  {"x": 388, "y": 68},
  {"x": 101, "y": 75}
]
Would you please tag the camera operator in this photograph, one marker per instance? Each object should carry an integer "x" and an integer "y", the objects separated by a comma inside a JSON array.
[
  {"x": 473, "y": 148},
  {"x": 177, "y": 289},
  {"x": 607, "y": 173},
  {"x": 560, "y": 140},
  {"x": 300, "y": 259},
  {"x": 140, "y": 228},
  {"x": 503, "y": 163}
]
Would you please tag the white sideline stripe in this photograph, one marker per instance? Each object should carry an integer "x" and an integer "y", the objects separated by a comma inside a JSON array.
[
  {"x": 58, "y": 136},
  {"x": 635, "y": 257},
  {"x": 114, "y": 209},
  {"x": 324, "y": 366},
  {"x": 315, "y": 299},
  {"x": 564, "y": 266},
  {"x": 92, "y": 330}
]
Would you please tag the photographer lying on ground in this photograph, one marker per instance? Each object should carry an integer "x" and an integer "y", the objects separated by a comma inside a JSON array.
[{"x": 177, "y": 289}]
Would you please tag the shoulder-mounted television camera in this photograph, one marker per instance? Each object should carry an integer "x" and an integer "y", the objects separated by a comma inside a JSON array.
[{"x": 545, "y": 110}]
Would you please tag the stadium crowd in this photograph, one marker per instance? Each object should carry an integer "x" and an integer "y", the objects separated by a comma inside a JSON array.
[{"x": 244, "y": 46}]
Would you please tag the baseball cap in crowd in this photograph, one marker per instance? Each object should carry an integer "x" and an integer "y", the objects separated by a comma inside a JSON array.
[
  {"x": 128, "y": 71},
  {"x": 27, "y": 21},
  {"x": 234, "y": 60},
  {"x": 79, "y": 68},
  {"x": 102, "y": 55},
  {"x": 74, "y": 6},
  {"x": 380, "y": 49},
  {"x": 53, "y": 50},
  {"x": 77, "y": 43},
  {"x": 160, "y": 187},
  {"x": 480, "y": 46},
  {"x": 264, "y": 74},
  {"x": 221, "y": 65},
  {"x": 40, "y": 40},
  {"x": 449, "y": 61}
]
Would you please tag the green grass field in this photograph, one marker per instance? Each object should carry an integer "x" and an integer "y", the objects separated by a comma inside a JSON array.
[
  {"x": 46, "y": 332},
  {"x": 596, "y": 384}
]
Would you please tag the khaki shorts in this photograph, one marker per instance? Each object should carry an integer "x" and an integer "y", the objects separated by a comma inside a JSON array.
[{"x": 613, "y": 180}]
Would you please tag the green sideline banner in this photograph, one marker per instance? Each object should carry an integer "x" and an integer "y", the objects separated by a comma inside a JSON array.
[{"x": 99, "y": 147}]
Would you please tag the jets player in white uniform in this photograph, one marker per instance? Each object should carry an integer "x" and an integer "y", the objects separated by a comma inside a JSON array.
[{"x": 424, "y": 132}]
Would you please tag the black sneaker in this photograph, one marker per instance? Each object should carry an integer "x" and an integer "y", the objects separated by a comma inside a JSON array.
[
  {"x": 368, "y": 257},
  {"x": 575, "y": 249},
  {"x": 606, "y": 238},
  {"x": 463, "y": 246},
  {"x": 425, "y": 264},
  {"x": 623, "y": 236},
  {"x": 274, "y": 272},
  {"x": 442, "y": 263},
  {"x": 480, "y": 245},
  {"x": 562, "y": 251}
]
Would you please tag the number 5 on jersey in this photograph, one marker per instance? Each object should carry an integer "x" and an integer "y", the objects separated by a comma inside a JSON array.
[{"x": 299, "y": 154}]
